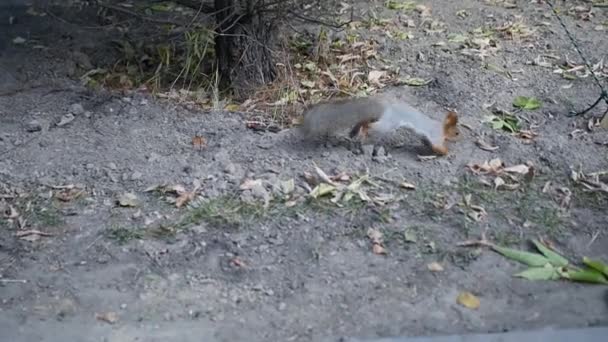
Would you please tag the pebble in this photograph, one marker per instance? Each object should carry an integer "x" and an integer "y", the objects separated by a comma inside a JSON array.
[
  {"x": 66, "y": 119},
  {"x": 136, "y": 175},
  {"x": 34, "y": 126},
  {"x": 76, "y": 109},
  {"x": 112, "y": 166},
  {"x": 259, "y": 191}
]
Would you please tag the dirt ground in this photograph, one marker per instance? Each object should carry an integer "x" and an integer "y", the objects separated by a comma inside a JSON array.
[{"x": 268, "y": 263}]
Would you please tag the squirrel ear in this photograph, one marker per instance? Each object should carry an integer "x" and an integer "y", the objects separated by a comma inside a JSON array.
[{"x": 451, "y": 119}]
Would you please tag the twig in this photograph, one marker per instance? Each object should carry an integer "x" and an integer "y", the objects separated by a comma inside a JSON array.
[
  {"x": 593, "y": 238},
  {"x": 604, "y": 93},
  {"x": 139, "y": 16},
  {"x": 22, "y": 281}
]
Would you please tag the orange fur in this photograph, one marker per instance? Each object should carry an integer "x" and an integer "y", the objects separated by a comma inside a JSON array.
[
  {"x": 450, "y": 132},
  {"x": 361, "y": 129}
]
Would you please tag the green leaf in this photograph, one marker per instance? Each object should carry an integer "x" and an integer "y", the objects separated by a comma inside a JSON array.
[
  {"x": 596, "y": 265},
  {"x": 529, "y": 103},
  {"x": 162, "y": 7},
  {"x": 397, "y": 5},
  {"x": 410, "y": 236},
  {"x": 539, "y": 273},
  {"x": 554, "y": 258},
  {"x": 587, "y": 276},
  {"x": 457, "y": 38},
  {"x": 506, "y": 122},
  {"x": 498, "y": 124},
  {"x": 322, "y": 190},
  {"x": 530, "y": 259}
]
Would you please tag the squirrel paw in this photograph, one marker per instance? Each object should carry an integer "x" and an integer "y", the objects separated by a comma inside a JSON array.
[{"x": 441, "y": 150}]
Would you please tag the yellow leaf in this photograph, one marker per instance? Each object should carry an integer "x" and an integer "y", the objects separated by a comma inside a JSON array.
[
  {"x": 233, "y": 107},
  {"x": 468, "y": 300},
  {"x": 322, "y": 190}
]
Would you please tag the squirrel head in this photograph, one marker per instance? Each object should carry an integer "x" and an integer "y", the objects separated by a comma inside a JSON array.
[{"x": 450, "y": 126}]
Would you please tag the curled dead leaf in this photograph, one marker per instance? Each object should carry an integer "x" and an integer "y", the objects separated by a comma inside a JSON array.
[
  {"x": 435, "y": 267},
  {"x": 374, "y": 235},
  {"x": 249, "y": 184},
  {"x": 378, "y": 249},
  {"x": 408, "y": 186},
  {"x": 238, "y": 262},
  {"x": 520, "y": 169},
  {"x": 528, "y": 136},
  {"x": 108, "y": 317},
  {"x": 375, "y": 76},
  {"x": 11, "y": 213},
  {"x": 128, "y": 199},
  {"x": 68, "y": 195},
  {"x": 493, "y": 166},
  {"x": 485, "y": 146}
]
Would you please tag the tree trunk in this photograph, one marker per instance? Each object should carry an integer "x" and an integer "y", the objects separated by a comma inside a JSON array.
[{"x": 244, "y": 60}]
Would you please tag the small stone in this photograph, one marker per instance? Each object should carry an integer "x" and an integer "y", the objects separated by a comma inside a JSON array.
[
  {"x": 90, "y": 166},
  {"x": 66, "y": 119},
  {"x": 66, "y": 307},
  {"x": 133, "y": 111},
  {"x": 34, "y": 126},
  {"x": 230, "y": 168},
  {"x": 76, "y": 109},
  {"x": 82, "y": 60},
  {"x": 112, "y": 166},
  {"x": 136, "y": 175},
  {"x": 87, "y": 114},
  {"x": 282, "y": 306},
  {"x": 258, "y": 191},
  {"x": 153, "y": 157}
]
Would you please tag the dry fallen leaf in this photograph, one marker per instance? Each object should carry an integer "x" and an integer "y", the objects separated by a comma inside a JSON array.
[
  {"x": 31, "y": 235},
  {"x": 521, "y": 169},
  {"x": 498, "y": 182},
  {"x": 468, "y": 300},
  {"x": 324, "y": 175},
  {"x": 408, "y": 186},
  {"x": 238, "y": 262},
  {"x": 11, "y": 213},
  {"x": 184, "y": 198},
  {"x": 527, "y": 136},
  {"x": 375, "y": 76},
  {"x": 108, "y": 317},
  {"x": 435, "y": 267},
  {"x": 426, "y": 158},
  {"x": 249, "y": 184},
  {"x": 485, "y": 146},
  {"x": 378, "y": 249},
  {"x": 493, "y": 166},
  {"x": 68, "y": 195},
  {"x": 128, "y": 199},
  {"x": 199, "y": 142},
  {"x": 376, "y": 237}
]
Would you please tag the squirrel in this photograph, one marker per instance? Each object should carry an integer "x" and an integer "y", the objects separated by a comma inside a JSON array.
[{"x": 377, "y": 117}]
